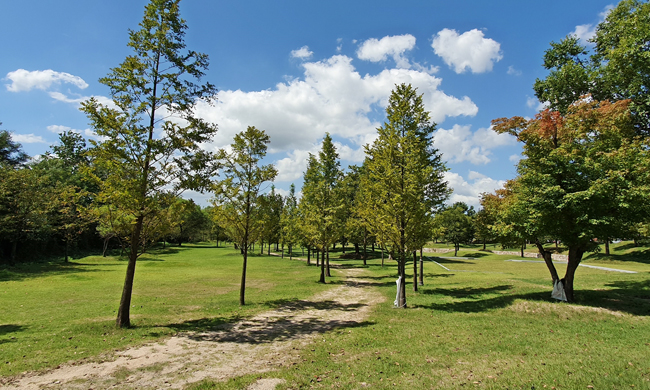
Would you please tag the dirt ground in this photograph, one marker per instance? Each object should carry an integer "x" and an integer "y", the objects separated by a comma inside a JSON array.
[{"x": 255, "y": 345}]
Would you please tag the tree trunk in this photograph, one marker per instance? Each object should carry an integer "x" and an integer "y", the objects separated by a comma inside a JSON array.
[
  {"x": 607, "y": 247},
  {"x": 290, "y": 252},
  {"x": 522, "y": 250},
  {"x": 415, "y": 271},
  {"x": 356, "y": 250},
  {"x": 308, "y": 255},
  {"x": 382, "y": 257},
  {"x": 456, "y": 247},
  {"x": 484, "y": 244},
  {"x": 242, "y": 288},
  {"x": 327, "y": 254},
  {"x": 373, "y": 247},
  {"x": 421, "y": 269},
  {"x": 343, "y": 246},
  {"x": 322, "y": 268},
  {"x": 575, "y": 257},
  {"x": 106, "y": 246},
  {"x": 14, "y": 250},
  {"x": 262, "y": 248},
  {"x": 546, "y": 255},
  {"x": 401, "y": 298},
  {"x": 123, "y": 313},
  {"x": 283, "y": 251},
  {"x": 67, "y": 248}
]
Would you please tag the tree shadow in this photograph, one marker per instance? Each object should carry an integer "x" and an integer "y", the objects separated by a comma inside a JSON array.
[
  {"x": 631, "y": 297},
  {"x": 476, "y": 254},
  {"x": 11, "y": 328},
  {"x": 448, "y": 260},
  {"x": 289, "y": 305},
  {"x": 24, "y": 271}
]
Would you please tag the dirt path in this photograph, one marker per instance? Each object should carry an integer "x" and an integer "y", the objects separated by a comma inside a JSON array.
[{"x": 256, "y": 345}]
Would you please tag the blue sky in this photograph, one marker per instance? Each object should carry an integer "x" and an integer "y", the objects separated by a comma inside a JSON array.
[{"x": 297, "y": 69}]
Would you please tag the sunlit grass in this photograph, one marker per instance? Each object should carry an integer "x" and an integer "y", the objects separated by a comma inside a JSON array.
[{"x": 52, "y": 313}]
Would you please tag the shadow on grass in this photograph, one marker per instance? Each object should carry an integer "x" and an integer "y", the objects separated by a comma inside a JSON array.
[
  {"x": 626, "y": 297},
  {"x": 640, "y": 256},
  {"x": 288, "y": 305},
  {"x": 34, "y": 270},
  {"x": 290, "y": 322},
  {"x": 10, "y": 328},
  {"x": 476, "y": 254},
  {"x": 449, "y": 260}
]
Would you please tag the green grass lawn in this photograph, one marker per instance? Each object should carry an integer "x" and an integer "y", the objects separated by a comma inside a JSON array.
[
  {"x": 486, "y": 323},
  {"x": 53, "y": 313}
]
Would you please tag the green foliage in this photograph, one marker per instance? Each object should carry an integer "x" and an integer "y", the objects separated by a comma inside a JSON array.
[
  {"x": 150, "y": 136},
  {"x": 403, "y": 181},
  {"x": 456, "y": 224},
  {"x": 583, "y": 176},
  {"x": 290, "y": 220},
  {"x": 11, "y": 152},
  {"x": 237, "y": 195},
  {"x": 321, "y": 204},
  {"x": 617, "y": 68}
]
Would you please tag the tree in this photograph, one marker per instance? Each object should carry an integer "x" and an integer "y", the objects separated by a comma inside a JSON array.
[
  {"x": 237, "y": 194},
  {"x": 25, "y": 204},
  {"x": 320, "y": 198},
  {"x": 403, "y": 182},
  {"x": 11, "y": 152},
  {"x": 617, "y": 68},
  {"x": 290, "y": 220},
  {"x": 456, "y": 224},
  {"x": 584, "y": 175},
  {"x": 151, "y": 136}
]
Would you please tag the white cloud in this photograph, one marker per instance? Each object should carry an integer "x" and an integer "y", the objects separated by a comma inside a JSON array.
[
  {"x": 468, "y": 50},
  {"x": 585, "y": 32},
  {"x": 376, "y": 50},
  {"x": 536, "y": 104},
  {"x": 292, "y": 167},
  {"x": 88, "y": 133},
  {"x": 470, "y": 190},
  {"x": 515, "y": 158},
  {"x": 303, "y": 53},
  {"x": 513, "y": 72},
  {"x": 23, "y": 80},
  {"x": 331, "y": 97},
  {"x": 27, "y": 138},
  {"x": 460, "y": 144}
]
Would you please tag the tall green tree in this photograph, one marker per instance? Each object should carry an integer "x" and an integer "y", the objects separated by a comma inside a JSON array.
[
  {"x": 237, "y": 194},
  {"x": 320, "y": 199},
  {"x": 403, "y": 182},
  {"x": 151, "y": 135},
  {"x": 290, "y": 220},
  {"x": 584, "y": 175},
  {"x": 616, "y": 68}
]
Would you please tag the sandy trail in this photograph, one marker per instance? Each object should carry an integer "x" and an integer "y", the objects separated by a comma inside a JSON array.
[{"x": 255, "y": 345}]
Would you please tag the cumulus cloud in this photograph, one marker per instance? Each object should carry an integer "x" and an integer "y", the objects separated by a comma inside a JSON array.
[
  {"x": 331, "y": 97},
  {"x": 585, "y": 32},
  {"x": 293, "y": 166},
  {"x": 467, "y": 50},
  {"x": 27, "y": 138},
  {"x": 377, "y": 50},
  {"x": 460, "y": 144},
  {"x": 23, "y": 80},
  {"x": 515, "y": 158},
  {"x": 303, "y": 53},
  {"x": 470, "y": 190}
]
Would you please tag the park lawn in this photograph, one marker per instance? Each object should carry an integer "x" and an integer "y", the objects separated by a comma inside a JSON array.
[
  {"x": 53, "y": 313},
  {"x": 487, "y": 323}
]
